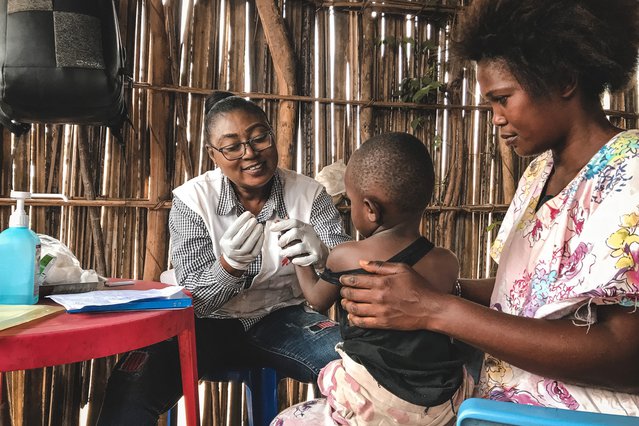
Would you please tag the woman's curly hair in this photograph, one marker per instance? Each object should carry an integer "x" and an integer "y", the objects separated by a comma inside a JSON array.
[{"x": 545, "y": 43}]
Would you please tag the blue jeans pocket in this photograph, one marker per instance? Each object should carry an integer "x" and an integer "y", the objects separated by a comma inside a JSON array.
[{"x": 297, "y": 341}]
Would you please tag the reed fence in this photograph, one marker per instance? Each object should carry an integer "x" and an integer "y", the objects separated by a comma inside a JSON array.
[{"x": 329, "y": 74}]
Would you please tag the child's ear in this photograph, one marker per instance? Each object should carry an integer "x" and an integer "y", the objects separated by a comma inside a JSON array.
[{"x": 373, "y": 211}]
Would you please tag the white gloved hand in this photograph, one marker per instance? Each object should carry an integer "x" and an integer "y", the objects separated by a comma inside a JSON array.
[
  {"x": 300, "y": 243},
  {"x": 242, "y": 241}
]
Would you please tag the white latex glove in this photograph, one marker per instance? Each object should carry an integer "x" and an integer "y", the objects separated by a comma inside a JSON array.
[
  {"x": 242, "y": 241},
  {"x": 300, "y": 243}
]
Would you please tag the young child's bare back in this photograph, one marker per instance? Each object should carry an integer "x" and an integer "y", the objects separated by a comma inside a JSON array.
[
  {"x": 387, "y": 375},
  {"x": 440, "y": 266}
]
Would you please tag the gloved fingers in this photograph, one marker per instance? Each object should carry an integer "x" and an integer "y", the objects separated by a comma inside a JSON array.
[
  {"x": 305, "y": 260},
  {"x": 290, "y": 236},
  {"x": 257, "y": 248},
  {"x": 238, "y": 224},
  {"x": 244, "y": 233},
  {"x": 249, "y": 243},
  {"x": 286, "y": 224},
  {"x": 295, "y": 250}
]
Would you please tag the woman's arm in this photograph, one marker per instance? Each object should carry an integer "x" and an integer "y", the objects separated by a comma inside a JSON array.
[
  {"x": 196, "y": 267},
  {"x": 477, "y": 290},
  {"x": 327, "y": 221},
  {"x": 317, "y": 292},
  {"x": 602, "y": 355}
]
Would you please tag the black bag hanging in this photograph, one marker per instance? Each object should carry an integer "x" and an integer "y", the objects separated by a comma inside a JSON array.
[{"x": 62, "y": 61}]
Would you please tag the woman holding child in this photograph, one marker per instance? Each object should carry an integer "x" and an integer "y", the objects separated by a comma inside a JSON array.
[
  {"x": 559, "y": 322},
  {"x": 237, "y": 233}
]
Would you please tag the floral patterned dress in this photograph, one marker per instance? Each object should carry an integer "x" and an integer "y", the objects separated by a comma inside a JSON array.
[{"x": 579, "y": 250}]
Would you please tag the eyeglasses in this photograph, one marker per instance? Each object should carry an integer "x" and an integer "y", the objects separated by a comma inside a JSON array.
[{"x": 238, "y": 150}]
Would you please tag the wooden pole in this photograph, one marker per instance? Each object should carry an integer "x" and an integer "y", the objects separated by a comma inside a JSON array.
[
  {"x": 307, "y": 73},
  {"x": 507, "y": 172},
  {"x": 366, "y": 83},
  {"x": 5, "y": 419},
  {"x": 282, "y": 52},
  {"x": 393, "y": 7},
  {"x": 456, "y": 164},
  {"x": 160, "y": 132},
  {"x": 94, "y": 212}
]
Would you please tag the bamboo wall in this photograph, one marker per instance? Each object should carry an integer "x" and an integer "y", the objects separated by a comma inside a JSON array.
[{"x": 329, "y": 74}]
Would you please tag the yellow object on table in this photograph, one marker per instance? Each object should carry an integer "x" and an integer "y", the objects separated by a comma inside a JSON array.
[{"x": 12, "y": 315}]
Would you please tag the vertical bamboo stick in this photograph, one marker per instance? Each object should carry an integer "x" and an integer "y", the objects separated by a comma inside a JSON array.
[
  {"x": 281, "y": 50},
  {"x": 160, "y": 131},
  {"x": 201, "y": 47},
  {"x": 507, "y": 171},
  {"x": 6, "y": 173},
  {"x": 366, "y": 76},
  {"x": 5, "y": 418},
  {"x": 94, "y": 213},
  {"x": 323, "y": 124},
  {"x": 339, "y": 89}
]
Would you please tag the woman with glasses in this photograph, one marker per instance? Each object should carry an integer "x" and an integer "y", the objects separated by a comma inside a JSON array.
[{"x": 236, "y": 233}]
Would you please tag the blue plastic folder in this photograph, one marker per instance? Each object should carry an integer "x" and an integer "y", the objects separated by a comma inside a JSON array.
[{"x": 176, "y": 301}]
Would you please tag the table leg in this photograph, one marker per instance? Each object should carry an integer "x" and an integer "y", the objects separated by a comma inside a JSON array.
[
  {"x": 4, "y": 404},
  {"x": 188, "y": 367}
]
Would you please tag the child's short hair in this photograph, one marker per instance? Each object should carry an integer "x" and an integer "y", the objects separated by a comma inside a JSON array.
[{"x": 398, "y": 164}]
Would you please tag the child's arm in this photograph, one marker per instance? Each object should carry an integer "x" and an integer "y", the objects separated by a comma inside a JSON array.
[
  {"x": 318, "y": 293},
  {"x": 321, "y": 294}
]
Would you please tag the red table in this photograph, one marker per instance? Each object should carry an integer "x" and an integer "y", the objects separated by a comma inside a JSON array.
[{"x": 62, "y": 338}]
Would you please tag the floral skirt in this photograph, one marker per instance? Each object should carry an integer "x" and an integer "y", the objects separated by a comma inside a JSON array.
[{"x": 353, "y": 397}]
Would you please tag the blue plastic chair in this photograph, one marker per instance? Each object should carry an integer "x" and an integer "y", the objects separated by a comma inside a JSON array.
[
  {"x": 477, "y": 411},
  {"x": 261, "y": 392}
]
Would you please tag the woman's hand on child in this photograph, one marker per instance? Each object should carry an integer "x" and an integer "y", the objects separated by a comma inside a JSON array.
[
  {"x": 396, "y": 297},
  {"x": 300, "y": 243},
  {"x": 242, "y": 241}
]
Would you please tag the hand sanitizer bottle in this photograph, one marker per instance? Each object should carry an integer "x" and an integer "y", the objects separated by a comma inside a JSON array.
[{"x": 19, "y": 258}]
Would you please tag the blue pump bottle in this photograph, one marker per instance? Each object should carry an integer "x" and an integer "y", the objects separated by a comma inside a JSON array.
[{"x": 19, "y": 258}]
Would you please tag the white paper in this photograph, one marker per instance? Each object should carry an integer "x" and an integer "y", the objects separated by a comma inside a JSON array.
[{"x": 110, "y": 297}]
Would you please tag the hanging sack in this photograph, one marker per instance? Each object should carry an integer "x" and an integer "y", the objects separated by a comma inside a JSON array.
[{"x": 61, "y": 61}]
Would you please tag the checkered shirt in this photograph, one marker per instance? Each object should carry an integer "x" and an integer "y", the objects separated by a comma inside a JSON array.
[{"x": 196, "y": 266}]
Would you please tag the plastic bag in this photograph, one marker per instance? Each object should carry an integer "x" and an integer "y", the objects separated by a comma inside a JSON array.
[
  {"x": 332, "y": 177},
  {"x": 58, "y": 265}
]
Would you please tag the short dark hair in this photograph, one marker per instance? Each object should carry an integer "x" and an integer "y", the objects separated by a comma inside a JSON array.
[
  {"x": 397, "y": 164},
  {"x": 545, "y": 42},
  {"x": 221, "y": 102}
]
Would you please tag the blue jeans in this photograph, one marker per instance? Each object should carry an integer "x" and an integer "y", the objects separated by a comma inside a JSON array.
[{"x": 145, "y": 383}]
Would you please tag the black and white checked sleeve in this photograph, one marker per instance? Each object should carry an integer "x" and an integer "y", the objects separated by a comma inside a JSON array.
[
  {"x": 196, "y": 267},
  {"x": 327, "y": 221}
]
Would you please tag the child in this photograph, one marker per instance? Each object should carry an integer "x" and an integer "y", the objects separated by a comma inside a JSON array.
[{"x": 385, "y": 376}]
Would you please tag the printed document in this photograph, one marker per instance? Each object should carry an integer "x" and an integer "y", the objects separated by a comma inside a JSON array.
[{"x": 111, "y": 297}]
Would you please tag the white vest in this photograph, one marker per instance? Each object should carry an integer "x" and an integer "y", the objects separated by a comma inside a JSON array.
[{"x": 275, "y": 286}]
